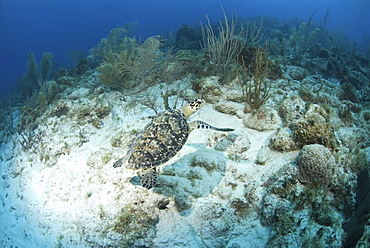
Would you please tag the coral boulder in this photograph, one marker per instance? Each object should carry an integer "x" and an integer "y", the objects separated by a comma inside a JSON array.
[{"x": 316, "y": 165}]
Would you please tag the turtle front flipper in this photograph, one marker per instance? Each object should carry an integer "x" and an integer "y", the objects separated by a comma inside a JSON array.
[
  {"x": 202, "y": 125},
  {"x": 148, "y": 178}
]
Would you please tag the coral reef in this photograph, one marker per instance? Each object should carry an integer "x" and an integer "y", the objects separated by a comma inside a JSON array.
[
  {"x": 296, "y": 164},
  {"x": 294, "y": 211}
]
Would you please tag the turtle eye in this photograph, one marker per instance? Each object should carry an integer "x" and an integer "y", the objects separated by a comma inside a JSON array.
[{"x": 200, "y": 103}]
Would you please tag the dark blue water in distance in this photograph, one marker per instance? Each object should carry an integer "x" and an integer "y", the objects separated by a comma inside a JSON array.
[{"x": 59, "y": 26}]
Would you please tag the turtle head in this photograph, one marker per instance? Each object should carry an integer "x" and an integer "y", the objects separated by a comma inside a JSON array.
[{"x": 192, "y": 106}]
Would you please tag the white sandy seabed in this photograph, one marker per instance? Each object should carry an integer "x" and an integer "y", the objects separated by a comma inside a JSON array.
[{"x": 67, "y": 194}]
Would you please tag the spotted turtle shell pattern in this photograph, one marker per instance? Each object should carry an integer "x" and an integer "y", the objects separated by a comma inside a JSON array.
[{"x": 159, "y": 141}]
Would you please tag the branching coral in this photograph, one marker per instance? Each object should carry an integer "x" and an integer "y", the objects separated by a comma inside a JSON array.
[
  {"x": 256, "y": 91},
  {"x": 136, "y": 64},
  {"x": 223, "y": 49},
  {"x": 115, "y": 42},
  {"x": 46, "y": 64},
  {"x": 32, "y": 76},
  {"x": 29, "y": 140},
  {"x": 304, "y": 38},
  {"x": 7, "y": 120},
  {"x": 36, "y": 75}
]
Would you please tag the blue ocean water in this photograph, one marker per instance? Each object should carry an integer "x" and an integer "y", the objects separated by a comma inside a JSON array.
[{"x": 60, "y": 27}]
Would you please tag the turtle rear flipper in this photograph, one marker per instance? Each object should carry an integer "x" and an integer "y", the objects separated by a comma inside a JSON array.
[
  {"x": 118, "y": 163},
  {"x": 148, "y": 178}
]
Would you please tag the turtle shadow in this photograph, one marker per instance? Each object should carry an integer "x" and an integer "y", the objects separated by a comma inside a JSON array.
[
  {"x": 135, "y": 180},
  {"x": 195, "y": 175}
]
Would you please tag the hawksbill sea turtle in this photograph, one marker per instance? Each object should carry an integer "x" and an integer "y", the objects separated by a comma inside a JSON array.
[{"x": 161, "y": 139}]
